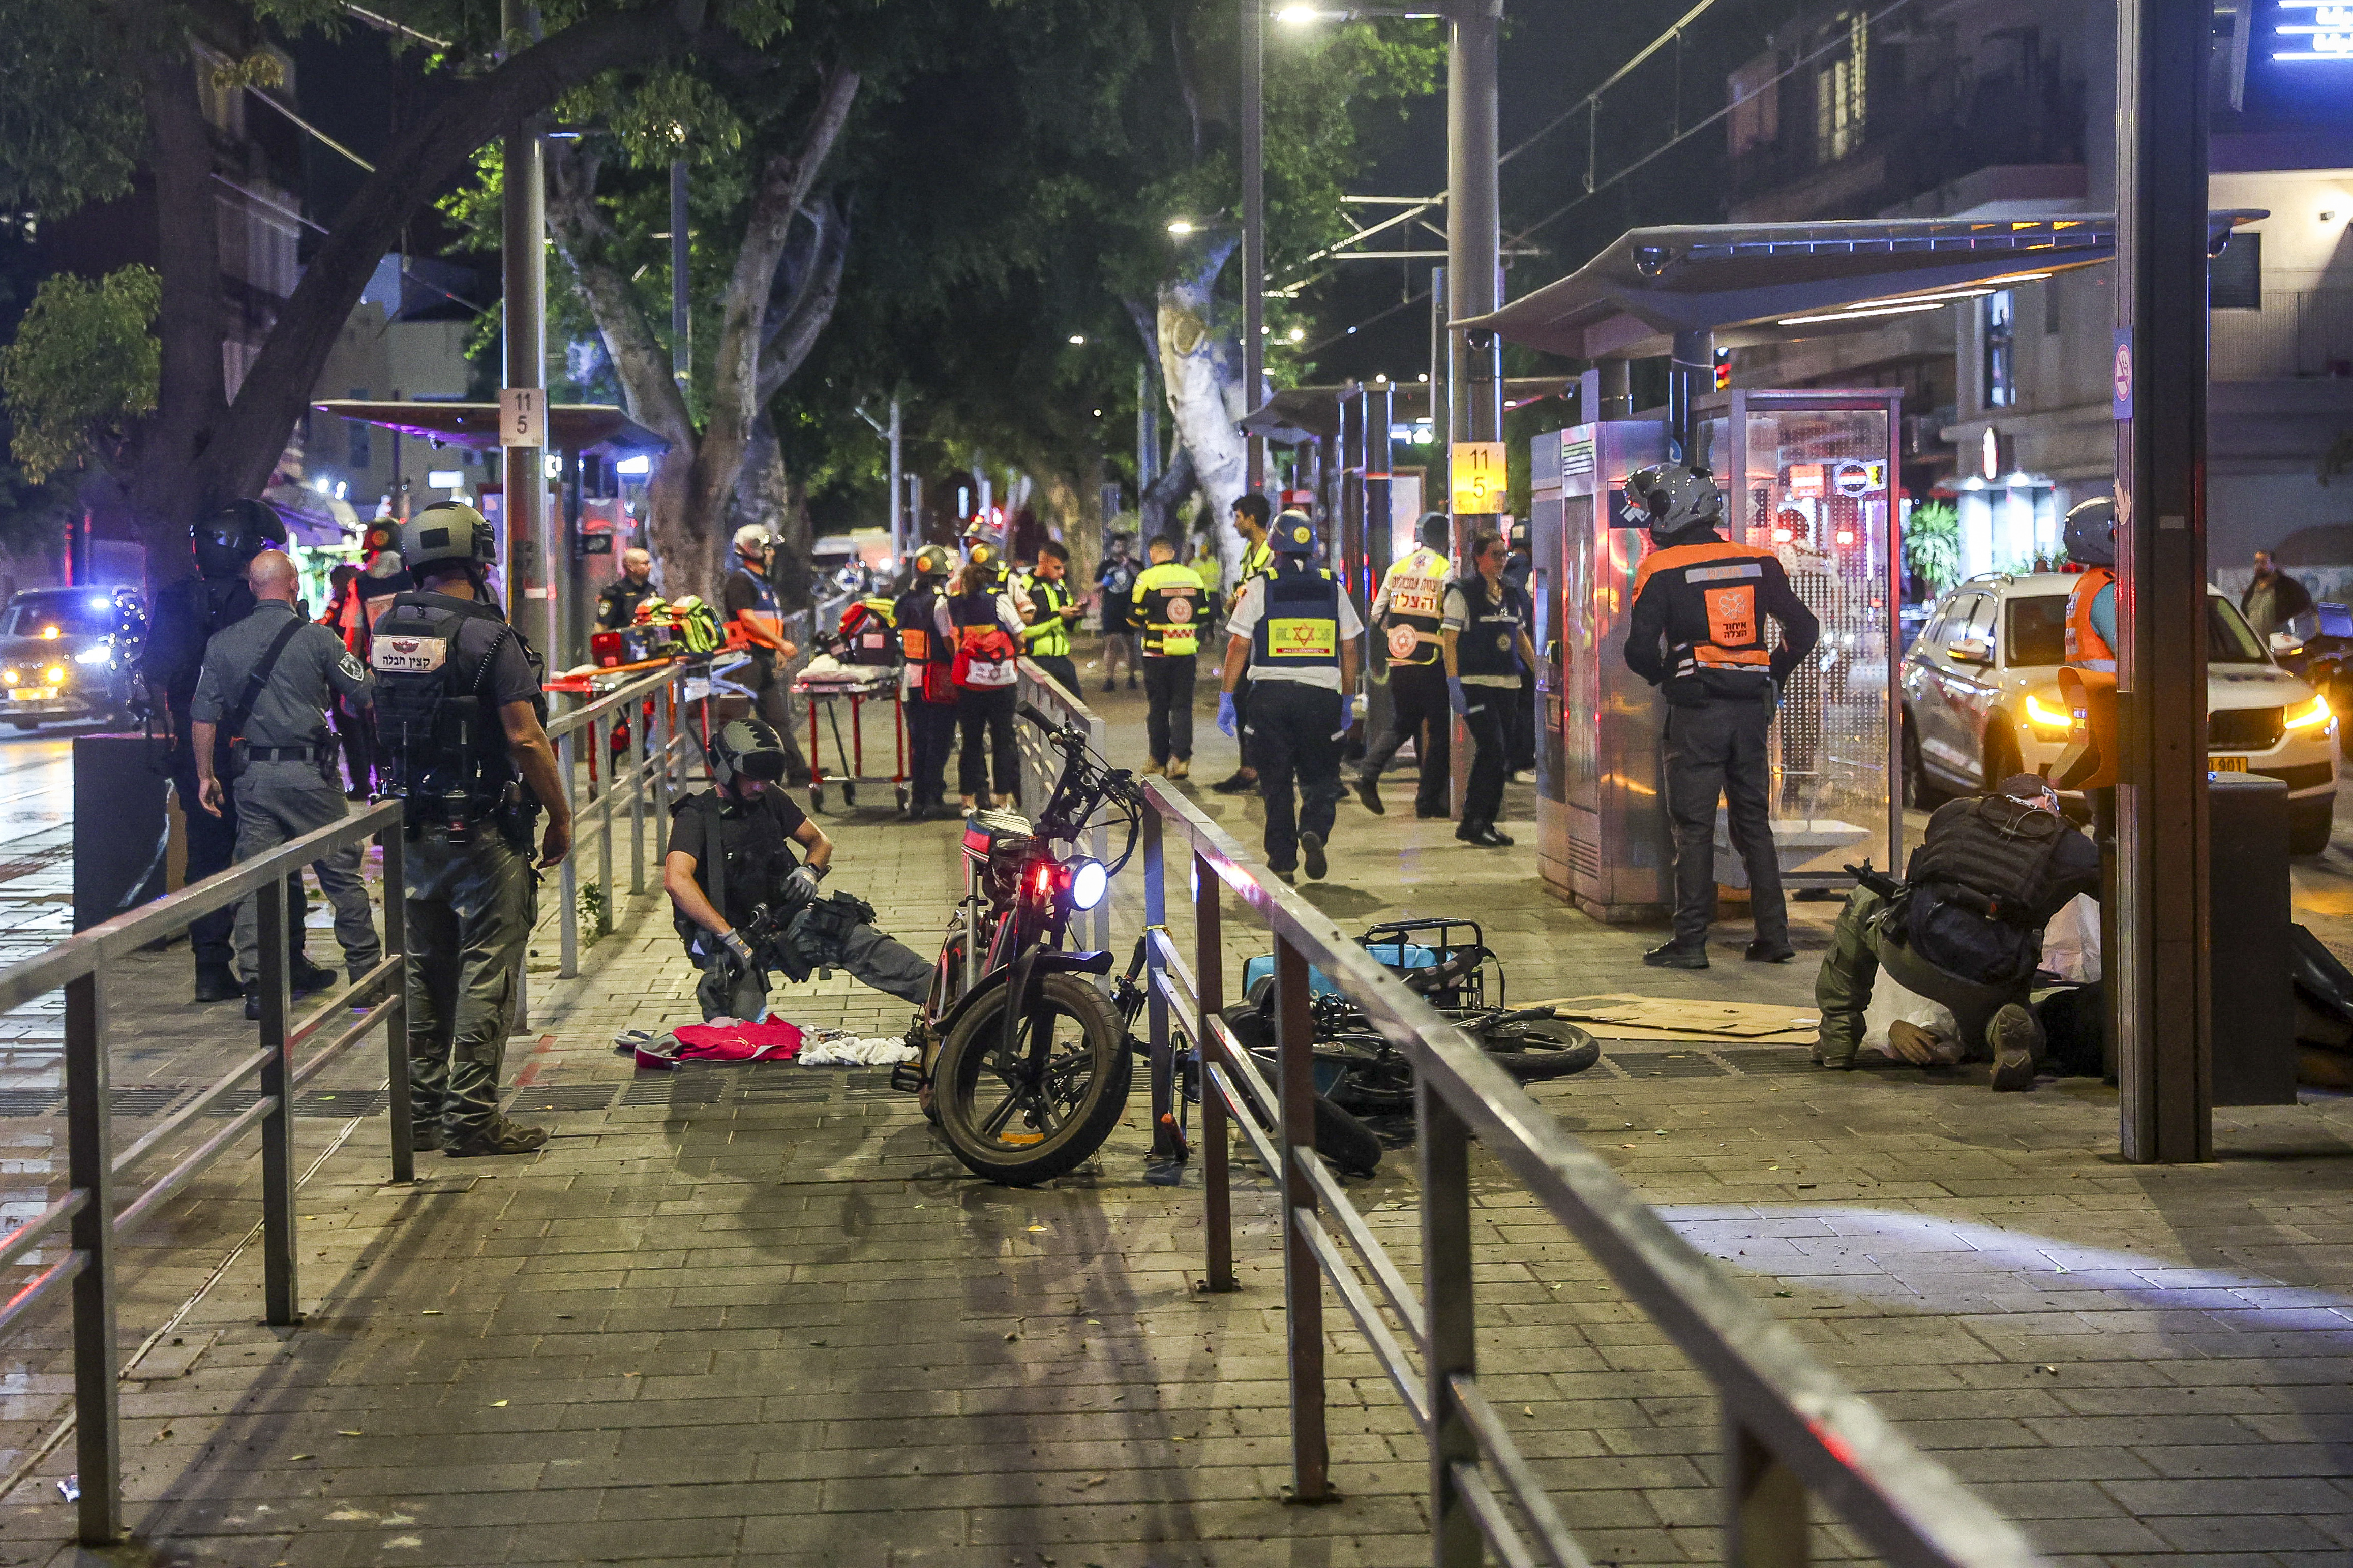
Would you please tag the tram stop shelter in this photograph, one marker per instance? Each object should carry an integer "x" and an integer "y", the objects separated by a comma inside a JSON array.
[{"x": 1813, "y": 472}]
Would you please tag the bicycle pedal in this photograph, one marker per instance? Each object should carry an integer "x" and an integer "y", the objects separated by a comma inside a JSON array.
[{"x": 907, "y": 1078}]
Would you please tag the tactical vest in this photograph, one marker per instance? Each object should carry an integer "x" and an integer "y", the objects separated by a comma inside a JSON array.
[
  {"x": 1301, "y": 627},
  {"x": 1050, "y": 635},
  {"x": 1488, "y": 642},
  {"x": 1171, "y": 599},
  {"x": 2086, "y": 649},
  {"x": 1416, "y": 599},
  {"x": 1994, "y": 859},
  {"x": 435, "y": 723}
]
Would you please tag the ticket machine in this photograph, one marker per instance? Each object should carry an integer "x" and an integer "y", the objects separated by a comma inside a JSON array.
[{"x": 1813, "y": 476}]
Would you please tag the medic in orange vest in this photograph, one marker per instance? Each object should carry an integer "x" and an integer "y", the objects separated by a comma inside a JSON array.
[{"x": 2087, "y": 682}]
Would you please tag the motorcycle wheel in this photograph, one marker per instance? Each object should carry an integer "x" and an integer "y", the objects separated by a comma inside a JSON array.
[
  {"x": 1017, "y": 1134},
  {"x": 1375, "y": 1079},
  {"x": 1537, "y": 1048}
]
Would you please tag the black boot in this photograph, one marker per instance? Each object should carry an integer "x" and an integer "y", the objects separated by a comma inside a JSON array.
[
  {"x": 217, "y": 983},
  {"x": 1675, "y": 955}
]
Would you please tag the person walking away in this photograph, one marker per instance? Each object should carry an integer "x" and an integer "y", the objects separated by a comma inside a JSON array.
[
  {"x": 1047, "y": 612},
  {"x": 265, "y": 684},
  {"x": 1963, "y": 928},
  {"x": 188, "y": 614},
  {"x": 1295, "y": 635},
  {"x": 616, "y": 605},
  {"x": 980, "y": 624},
  {"x": 1698, "y": 633},
  {"x": 1407, "y": 612},
  {"x": 1169, "y": 602},
  {"x": 927, "y": 683},
  {"x": 2275, "y": 602},
  {"x": 1251, "y": 515},
  {"x": 1484, "y": 639},
  {"x": 1116, "y": 580},
  {"x": 459, "y": 716},
  {"x": 751, "y": 604}
]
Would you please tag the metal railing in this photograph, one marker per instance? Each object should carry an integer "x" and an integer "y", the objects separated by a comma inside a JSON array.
[
  {"x": 1041, "y": 766},
  {"x": 644, "y": 774},
  {"x": 1791, "y": 1427},
  {"x": 80, "y": 966}
]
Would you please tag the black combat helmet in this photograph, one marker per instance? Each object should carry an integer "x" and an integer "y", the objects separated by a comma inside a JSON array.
[
  {"x": 228, "y": 541},
  {"x": 748, "y": 747}
]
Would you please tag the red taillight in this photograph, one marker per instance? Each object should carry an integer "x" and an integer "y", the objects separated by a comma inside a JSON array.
[{"x": 1041, "y": 882}]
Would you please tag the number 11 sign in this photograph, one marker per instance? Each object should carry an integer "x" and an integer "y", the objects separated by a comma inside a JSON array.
[
  {"x": 523, "y": 417},
  {"x": 1475, "y": 476}
]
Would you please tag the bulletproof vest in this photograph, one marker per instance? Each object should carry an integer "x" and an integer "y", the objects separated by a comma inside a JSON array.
[
  {"x": 919, "y": 639},
  {"x": 1417, "y": 594},
  {"x": 1994, "y": 858},
  {"x": 435, "y": 718},
  {"x": 1489, "y": 641},
  {"x": 210, "y": 605},
  {"x": 1301, "y": 627},
  {"x": 745, "y": 857}
]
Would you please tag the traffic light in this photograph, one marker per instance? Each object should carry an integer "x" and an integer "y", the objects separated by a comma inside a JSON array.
[{"x": 1724, "y": 370}]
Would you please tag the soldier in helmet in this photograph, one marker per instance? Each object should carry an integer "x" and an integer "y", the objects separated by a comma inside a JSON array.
[
  {"x": 1698, "y": 633},
  {"x": 458, "y": 721},
  {"x": 187, "y": 614}
]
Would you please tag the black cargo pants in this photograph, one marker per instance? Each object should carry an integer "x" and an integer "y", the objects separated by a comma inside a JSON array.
[{"x": 1716, "y": 751}]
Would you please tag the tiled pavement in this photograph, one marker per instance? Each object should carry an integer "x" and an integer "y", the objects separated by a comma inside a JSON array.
[{"x": 757, "y": 1316}]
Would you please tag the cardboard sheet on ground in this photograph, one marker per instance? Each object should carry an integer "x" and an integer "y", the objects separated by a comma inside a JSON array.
[{"x": 1630, "y": 1017}]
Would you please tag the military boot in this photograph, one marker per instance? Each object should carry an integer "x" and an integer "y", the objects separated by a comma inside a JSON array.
[{"x": 501, "y": 1137}]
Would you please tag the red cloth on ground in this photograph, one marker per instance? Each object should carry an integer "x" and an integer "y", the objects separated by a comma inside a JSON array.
[{"x": 773, "y": 1040}]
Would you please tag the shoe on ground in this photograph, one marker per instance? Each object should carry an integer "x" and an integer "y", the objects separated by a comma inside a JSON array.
[
  {"x": 1311, "y": 856},
  {"x": 217, "y": 983},
  {"x": 1152, "y": 770},
  {"x": 308, "y": 977},
  {"x": 1421, "y": 816},
  {"x": 1368, "y": 792},
  {"x": 423, "y": 1137},
  {"x": 1465, "y": 828},
  {"x": 1921, "y": 1048},
  {"x": 1762, "y": 951},
  {"x": 1675, "y": 955},
  {"x": 1238, "y": 784},
  {"x": 1180, "y": 768},
  {"x": 1110, "y": 686},
  {"x": 2017, "y": 1042},
  {"x": 1288, "y": 875},
  {"x": 253, "y": 1000},
  {"x": 501, "y": 1137},
  {"x": 1486, "y": 836},
  {"x": 1835, "y": 1064}
]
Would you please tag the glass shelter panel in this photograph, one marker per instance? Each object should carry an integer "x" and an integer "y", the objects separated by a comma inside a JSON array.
[{"x": 1814, "y": 479}]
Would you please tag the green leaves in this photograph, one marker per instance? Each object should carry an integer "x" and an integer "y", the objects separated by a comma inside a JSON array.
[
  {"x": 70, "y": 124},
  {"x": 84, "y": 364}
]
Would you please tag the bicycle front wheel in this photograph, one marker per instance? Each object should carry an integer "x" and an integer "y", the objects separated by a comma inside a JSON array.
[{"x": 1010, "y": 1118}]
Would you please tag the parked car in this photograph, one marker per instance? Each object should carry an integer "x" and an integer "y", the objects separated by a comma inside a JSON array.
[
  {"x": 70, "y": 654},
  {"x": 1980, "y": 693}
]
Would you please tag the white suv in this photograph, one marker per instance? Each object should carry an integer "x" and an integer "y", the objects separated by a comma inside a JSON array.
[{"x": 1981, "y": 701}]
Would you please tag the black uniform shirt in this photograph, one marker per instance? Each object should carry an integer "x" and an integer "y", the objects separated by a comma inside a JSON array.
[
  {"x": 757, "y": 838},
  {"x": 188, "y": 614},
  {"x": 616, "y": 607}
]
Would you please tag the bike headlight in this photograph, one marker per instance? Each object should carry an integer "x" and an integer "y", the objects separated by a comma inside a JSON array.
[{"x": 1088, "y": 881}]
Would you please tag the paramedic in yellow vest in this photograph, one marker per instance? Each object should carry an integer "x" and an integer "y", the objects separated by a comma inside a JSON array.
[
  {"x": 1252, "y": 513},
  {"x": 1295, "y": 632},
  {"x": 1698, "y": 632},
  {"x": 1170, "y": 604},
  {"x": 1405, "y": 613},
  {"x": 1048, "y": 607}
]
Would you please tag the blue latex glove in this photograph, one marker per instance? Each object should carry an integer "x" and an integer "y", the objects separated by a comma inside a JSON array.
[
  {"x": 1226, "y": 714},
  {"x": 1454, "y": 697}
]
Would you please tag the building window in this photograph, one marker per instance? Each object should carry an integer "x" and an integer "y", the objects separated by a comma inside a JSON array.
[
  {"x": 2235, "y": 280},
  {"x": 2000, "y": 350},
  {"x": 361, "y": 445},
  {"x": 1842, "y": 98}
]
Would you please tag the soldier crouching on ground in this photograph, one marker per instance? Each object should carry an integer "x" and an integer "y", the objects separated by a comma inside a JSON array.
[{"x": 773, "y": 918}]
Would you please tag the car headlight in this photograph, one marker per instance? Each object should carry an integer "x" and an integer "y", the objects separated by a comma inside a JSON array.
[
  {"x": 9, "y": 676},
  {"x": 53, "y": 675},
  {"x": 2041, "y": 715},
  {"x": 98, "y": 655},
  {"x": 2312, "y": 715}
]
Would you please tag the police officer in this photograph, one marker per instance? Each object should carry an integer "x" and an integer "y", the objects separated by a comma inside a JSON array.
[
  {"x": 1252, "y": 514},
  {"x": 1170, "y": 602},
  {"x": 1407, "y": 611},
  {"x": 1295, "y": 633},
  {"x": 926, "y": 684},
  {"x": 188, "y": 614},
  {"x": 2090, "y": 534},
  {"x": 459, "y": 715},
  {"x": 1048, "y": 608},
  {"x": 1697, "y": 632},
  {"x": 616, "y": 607},
  {"x": 266, "y": 683},
  {"x": 1486, "y": 645},
  {"x": 731, "y": 853}
]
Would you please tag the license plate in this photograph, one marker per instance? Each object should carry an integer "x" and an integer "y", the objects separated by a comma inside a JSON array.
[
  {"x": 2227, "y": 764},
  {"x": 34, "y": 693}
]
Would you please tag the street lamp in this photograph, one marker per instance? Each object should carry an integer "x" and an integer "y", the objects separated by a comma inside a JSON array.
[{"x": 1181, "y": 226}]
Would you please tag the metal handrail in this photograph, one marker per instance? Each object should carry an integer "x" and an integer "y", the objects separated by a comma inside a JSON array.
[
  {"x": 80, "y": 966},
  {"x": 654, "y": 761},
  {"x": 1792, "y": 1427}
]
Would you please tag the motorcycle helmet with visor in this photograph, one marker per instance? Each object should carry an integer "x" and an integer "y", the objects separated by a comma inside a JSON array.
[
  {"x": 1673, "y": 498},
  {"x": 2090, "y": 532},
  {"x": 228, "y": 541},
  {"x": 746, "y": 748}
]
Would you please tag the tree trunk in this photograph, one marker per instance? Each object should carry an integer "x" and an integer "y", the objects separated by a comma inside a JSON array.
[
  {"x": 765, "y": 495},
  {"x": 1202, "y": 363},
  {"x": 1158, "y": 507}
]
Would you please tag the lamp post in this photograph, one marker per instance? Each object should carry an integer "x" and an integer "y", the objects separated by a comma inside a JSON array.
[
  {"x": 1253, "y": 52},
  {"x": 524, "y": 413}
]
